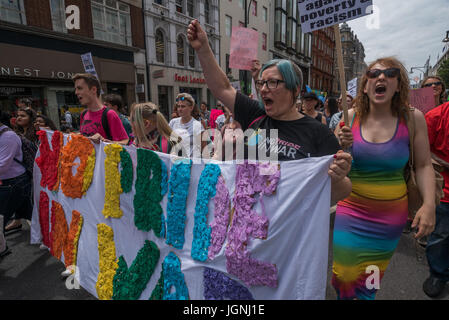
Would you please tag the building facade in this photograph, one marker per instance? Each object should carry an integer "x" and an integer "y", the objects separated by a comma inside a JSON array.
[
  {"x": 353, "y": 56},
  {"x": 322, "y": 70},
  {"x": 41, "y": 43},
  {"x": 173, "y": 66},
  {"x": 257, "y": 16},
  {"x": 289, "y": 42}
]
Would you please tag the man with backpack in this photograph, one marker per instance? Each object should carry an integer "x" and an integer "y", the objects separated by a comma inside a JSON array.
[
  {"x": 15, "y": 182},
  {"x": 98, "y": 123}
]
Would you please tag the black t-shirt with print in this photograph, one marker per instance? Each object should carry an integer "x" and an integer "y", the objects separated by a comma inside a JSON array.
[{"x": 297, "y": 139}]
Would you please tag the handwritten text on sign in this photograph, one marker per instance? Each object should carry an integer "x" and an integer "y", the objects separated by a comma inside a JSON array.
[
  {"x": 244, "y": 43},
  {"x": 319, "y": 14}
]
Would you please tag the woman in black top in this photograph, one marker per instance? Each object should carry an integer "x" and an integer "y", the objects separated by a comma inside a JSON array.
[{"x": 279, "y": 85}]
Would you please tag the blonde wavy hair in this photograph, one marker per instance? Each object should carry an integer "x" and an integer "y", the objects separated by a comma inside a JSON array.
[
  {"x": 400, "y": 101},
  {"x": 150, "y": 111}
]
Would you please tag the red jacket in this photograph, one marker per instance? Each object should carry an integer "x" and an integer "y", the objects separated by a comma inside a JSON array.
[{"x": 438, "y": 127}]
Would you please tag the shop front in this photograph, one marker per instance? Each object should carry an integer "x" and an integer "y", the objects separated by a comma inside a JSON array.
[
  {"x": 45, "y": 77},
  {"x": 167, "y": 83}
]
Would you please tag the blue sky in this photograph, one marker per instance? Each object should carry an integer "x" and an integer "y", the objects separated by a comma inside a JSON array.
[{"x": 410, "y": 30}]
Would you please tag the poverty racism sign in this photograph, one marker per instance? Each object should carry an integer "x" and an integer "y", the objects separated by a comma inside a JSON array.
[{"x": 319, "y": 14}]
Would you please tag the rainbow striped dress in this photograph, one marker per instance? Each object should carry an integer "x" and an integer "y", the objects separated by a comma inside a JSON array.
[{"x": 369, "y": 223}]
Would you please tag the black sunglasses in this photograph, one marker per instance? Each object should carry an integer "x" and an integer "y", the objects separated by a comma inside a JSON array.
[
  {"x": 439, "y": 83},
  {"x": 389, "y": 73}
]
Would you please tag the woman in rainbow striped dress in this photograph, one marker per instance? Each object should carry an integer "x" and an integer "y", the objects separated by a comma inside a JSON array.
[{"x": 369, "y": 223}]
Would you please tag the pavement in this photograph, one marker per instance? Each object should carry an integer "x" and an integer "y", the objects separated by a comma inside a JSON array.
[{"x": 29, "y": 273}]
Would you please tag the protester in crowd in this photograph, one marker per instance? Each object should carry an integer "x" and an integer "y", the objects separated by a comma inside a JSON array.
[
  {"x": 15, "y": 182},
  {"x": 437, "y": 249},
  {"x": 25, "y": 124},
  {"x": 189, "y": 129},
  {"x": 25, "y": 103},
  {"x": 438, "y": 87},
  {"x": 205, "y": 114},
  {"x": 337, "y": 117},
  {"x": 330, "y": 108},
  {"x": 310, "y": 107},
  {"x": 97, "y": 122},
  {"x": 114, "y": 102},
  {"x": 44, "y": 122},
  {"x": 174, "y": 113},
  {"x": 215, "y": 113},
  {"x": 279, "y": 86},
  {"x": 196, "y": 114},
  {"x": 68, "y": 119},
  {"x": 224, "y": 118},
  {"x": 369, "y": 223},
  {"x": 150, "y": 129}
]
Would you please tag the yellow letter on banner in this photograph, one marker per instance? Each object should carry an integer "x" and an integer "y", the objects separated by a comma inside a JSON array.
[
  {"x": 112, "y": 184},
  {"x": 108, "y": 262}
]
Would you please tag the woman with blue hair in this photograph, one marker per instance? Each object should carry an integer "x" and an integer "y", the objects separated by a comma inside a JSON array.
[{"x": 279, "y": 84}]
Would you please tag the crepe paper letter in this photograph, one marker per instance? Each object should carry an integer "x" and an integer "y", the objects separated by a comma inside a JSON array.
[
  {"x": 75, "y": 186},
  {"x": 107, "y": 260},
  {"x": 158, "y": 291},
  {"x": 218, "y": 286},
  {"x": 178, "y": 185},
  {"x": 201, "y": 230},
  {"x": 126, "y": 176},
  {"x": 173, "y": 277},
  {"x": 48, "y": 160},
  {"x": 247, "y": 223},
  {"x": 112, "y": 184},
  {"x": 219, "y": 225},
  {"x": 72, "y": 240},
  {"x": 130, "y": 283},
  {"x": 147, "y": 208},
  {"x": 58, "y": 229},
  {"x": 44, "y": 218}
]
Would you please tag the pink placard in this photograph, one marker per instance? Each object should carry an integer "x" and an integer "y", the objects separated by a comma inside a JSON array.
[
  {"x": 422, "y": 99},
  {"x": 244, "y": 45}
]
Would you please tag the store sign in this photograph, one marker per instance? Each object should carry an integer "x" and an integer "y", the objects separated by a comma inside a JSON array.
[
  {"x": 34, "y": 73},
  {"x": 189, "y": 79},
  {"x": 12, "y": 91}
]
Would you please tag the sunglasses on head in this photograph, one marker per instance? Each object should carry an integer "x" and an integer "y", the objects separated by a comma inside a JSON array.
[
  {"x": 181, "y": 99},
  {"x": 389, "y": 73},
  {"x": 439, "y": 83}
]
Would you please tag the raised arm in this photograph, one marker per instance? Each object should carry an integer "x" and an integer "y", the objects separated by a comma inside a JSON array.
[{"x": 217, "y": 81}]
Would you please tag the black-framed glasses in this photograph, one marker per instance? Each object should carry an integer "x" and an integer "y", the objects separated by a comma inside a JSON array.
[
  {"x": 439, "y": 83},
  {"x": 389, "y": 73},
  {"x": 271, "y": 83}
]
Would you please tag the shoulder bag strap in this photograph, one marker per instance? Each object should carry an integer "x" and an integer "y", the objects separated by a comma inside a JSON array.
[
  {"x": 105, "y": 123},
  {"x": 411, "y": 135}
]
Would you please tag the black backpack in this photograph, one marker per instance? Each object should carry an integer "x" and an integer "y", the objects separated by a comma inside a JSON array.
[
  {"x": 104, "y": 122},
  {"x": 29, "y": 150}
]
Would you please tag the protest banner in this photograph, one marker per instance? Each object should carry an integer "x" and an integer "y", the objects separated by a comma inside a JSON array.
[
  {"x": 244, "y": 45},
  {"x": 319, "y": 14},
  {"x": 422, "y": 99},
  {"x": 136, "y": 224},
  {"x": 352, "y": 87}
]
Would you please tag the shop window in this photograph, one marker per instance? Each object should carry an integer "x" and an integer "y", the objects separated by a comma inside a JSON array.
[
  {"x": 160, "y": 46},
  {"x": 58, "y": 15},
  {"x": 111, "y": 21},
  {"x": 180, "y": 50},
  {"x": 190, "y": 8},
  {"x": 12, "y": 11}
]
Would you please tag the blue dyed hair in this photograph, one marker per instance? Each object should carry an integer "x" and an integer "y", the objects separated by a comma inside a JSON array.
[{"x": 290, "y": 72}]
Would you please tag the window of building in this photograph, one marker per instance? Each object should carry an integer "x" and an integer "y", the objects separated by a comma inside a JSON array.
[
  {"x": 207, "y": 11},
  {"x": 264, "y": 41},
  {"x": 160, "y": 46},
  {"x": 228, "y": 25},
  {"x": 265, "y": 14},
  {"x": 280, "y": 24},
  {"x": 254, "y": 8},
  {"x": 12, "y": 11},
  {"x": 191, "y": 57},
  {"x": 241, "y": 3},
  {"x": 111, "y": 21},
  {"x": 57, "y": 8},
  {"x": 190, "y": 8},
  {"x": 161, "y": 2},
  {"x": 180, "y": 50},
  {"x": 179, "y": 6}
]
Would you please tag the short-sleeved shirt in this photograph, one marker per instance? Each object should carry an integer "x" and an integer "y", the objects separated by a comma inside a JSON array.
[
  {"x": 91, "y": 124},
  {"x": 10, "y": 149},
  {"x": 297, "y": 139},
  {"x": 438, "y": 128},
  {"x": 187, "y": 131}
]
